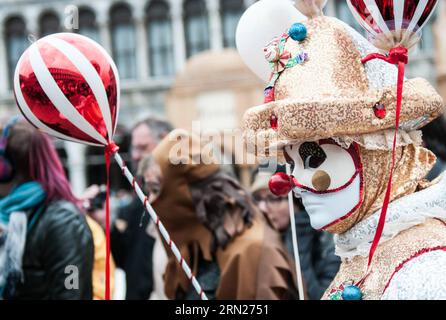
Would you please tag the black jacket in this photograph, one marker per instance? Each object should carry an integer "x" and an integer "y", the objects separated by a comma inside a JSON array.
[
  {"x": 132, "y": 250},
  {"x": 59, "y": 252}
]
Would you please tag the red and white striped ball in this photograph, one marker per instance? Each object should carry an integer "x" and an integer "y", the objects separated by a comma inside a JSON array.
[
  {"x": 383, "y": 16},
  {"x": 68, "y": 86}
]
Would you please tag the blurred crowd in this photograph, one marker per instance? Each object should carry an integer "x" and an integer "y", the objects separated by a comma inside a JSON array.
[{"x": 238, "y": 241}]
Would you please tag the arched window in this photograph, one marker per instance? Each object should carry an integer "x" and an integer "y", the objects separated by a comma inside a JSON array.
[
  {"x": 231, "y": 11},
  {"x": 49, "y": 23},
  {"x": 123, "y": 40},
  {"x": 87, "y": 24},
  {"x": 160, "y": 40},
  {"x": 16, "y": 43},
  {"x": 196, "y": 27}
]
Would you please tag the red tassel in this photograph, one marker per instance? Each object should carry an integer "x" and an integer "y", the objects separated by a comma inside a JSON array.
[
  {"x": 396, "y": 56},
  {"x": 110, "y": 149}
]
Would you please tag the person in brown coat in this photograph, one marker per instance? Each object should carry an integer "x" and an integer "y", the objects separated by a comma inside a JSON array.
[{"x": 230, "y": 246}]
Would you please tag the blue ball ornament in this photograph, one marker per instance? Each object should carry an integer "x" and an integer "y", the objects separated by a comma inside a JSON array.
[
  {"x": 298, "y": 32},
  {"x": 352, "y": 293}
]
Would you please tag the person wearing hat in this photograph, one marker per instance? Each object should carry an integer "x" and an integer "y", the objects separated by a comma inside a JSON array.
[
  {"x": 220, "y": 233},
  {"x": 318, "y": 262},
  {"x": 275, "y": 208},
  {"x": 333, "y": 119}
]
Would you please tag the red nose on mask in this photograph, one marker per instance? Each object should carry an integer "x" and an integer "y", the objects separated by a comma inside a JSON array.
[{"x": 280, "y": 184}]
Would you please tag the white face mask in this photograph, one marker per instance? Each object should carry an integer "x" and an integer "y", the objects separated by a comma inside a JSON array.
[{"x": 328, "y": 178}]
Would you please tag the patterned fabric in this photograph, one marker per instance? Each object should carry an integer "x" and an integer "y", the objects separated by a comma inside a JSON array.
[
  {"x": 413, "y": 229},
  {"x": 420, "y": 279},
  {"x": 412, "y": 165},
  {"x": 381, "y": 140},
  {"x": 404, "y": 213},
  {"x": 389, "y": 257},
  {"x": 333, "y": 93}
]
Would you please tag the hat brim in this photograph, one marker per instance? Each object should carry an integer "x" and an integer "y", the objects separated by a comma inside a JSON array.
[{"x": 325, "y": 117}]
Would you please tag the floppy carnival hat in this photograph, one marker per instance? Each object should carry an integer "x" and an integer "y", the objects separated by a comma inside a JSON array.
[
  {"x": 329, "y": 82},
  {"x": 320, "y": 89}
]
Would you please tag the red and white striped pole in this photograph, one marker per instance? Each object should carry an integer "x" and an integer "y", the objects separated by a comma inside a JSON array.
[
  {"x": 67, "y": 85},
  {"x": 187, "y": 270}
]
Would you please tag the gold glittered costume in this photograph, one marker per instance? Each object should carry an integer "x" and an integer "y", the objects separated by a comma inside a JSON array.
[{"x": 332, "y": 94}]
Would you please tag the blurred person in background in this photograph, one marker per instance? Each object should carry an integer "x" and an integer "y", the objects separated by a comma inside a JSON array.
[
  {"x": 94, "y": 204},
  {"x": 316, "y": 249},
  {"x": 434, "y": 137},
  {"x": 151, "y": 187},
  {"x": 46, "y": 246},
  {"x": 233, "y": 251},
  {"x": 131, "y": 243}
]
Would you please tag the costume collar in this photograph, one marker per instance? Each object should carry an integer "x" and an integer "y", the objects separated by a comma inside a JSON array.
[{"x": 402, "y": 214}]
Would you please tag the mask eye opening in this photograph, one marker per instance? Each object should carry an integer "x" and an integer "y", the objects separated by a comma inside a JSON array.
[{"x": 312, "y": 155}]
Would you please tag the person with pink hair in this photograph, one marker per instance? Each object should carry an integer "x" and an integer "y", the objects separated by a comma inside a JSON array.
[{"x": 46, "y": 246}]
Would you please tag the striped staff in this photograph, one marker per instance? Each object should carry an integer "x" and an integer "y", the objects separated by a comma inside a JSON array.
[{"x": 67, "y": 85}]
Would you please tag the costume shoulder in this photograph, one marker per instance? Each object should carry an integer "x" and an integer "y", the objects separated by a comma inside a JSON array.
[
  {"x": 256, "y": 266},
  {"x": 421, "y": 278},
  {"x": 419, "y": 272}
]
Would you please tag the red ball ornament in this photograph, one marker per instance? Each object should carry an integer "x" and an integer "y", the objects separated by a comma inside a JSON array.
[
  {"x": 269, "y": 95},
  {"x": 67, "y": 85},
  {"x": 273, "y": 121},
  {"x": 380, "y": 111},
  {"x": 280, "y": 184}
]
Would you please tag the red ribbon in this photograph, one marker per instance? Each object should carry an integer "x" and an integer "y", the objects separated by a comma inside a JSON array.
[
  {"x": 110, "y": 150},
  {"x": 396, "y": 55},
  {"x": 399, "y": 57}
]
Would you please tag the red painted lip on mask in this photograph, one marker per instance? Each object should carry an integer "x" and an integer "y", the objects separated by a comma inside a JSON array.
[
  {"x": 359, "y": 168},
  {"x": 349, "y": 182},
  {"x": 361, "y": 197},
  {"x": 354, "y": 153}
]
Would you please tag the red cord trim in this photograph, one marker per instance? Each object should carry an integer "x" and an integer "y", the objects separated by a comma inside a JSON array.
[
  {"x": 416, "y": 255},
  {"x": 361, "y": 192},
  {"x": 442, "y": 221}
]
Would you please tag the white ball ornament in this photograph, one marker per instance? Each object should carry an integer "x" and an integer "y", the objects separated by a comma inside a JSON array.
[{"x": 260, "y": 23}]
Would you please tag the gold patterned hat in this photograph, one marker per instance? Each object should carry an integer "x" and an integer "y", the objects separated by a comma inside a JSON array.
[{"x": 320, "y": 89}]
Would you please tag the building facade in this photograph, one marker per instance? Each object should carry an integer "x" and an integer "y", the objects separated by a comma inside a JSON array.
[{"x": 150, "y": 41}]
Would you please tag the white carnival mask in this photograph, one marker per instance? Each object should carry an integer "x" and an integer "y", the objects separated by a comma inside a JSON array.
[{"x": 328, "y": 178}]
